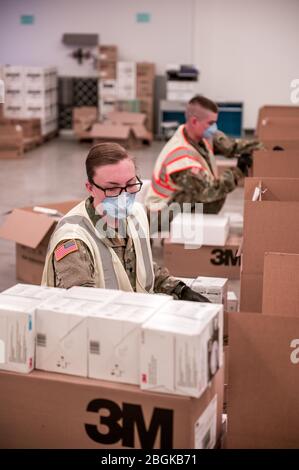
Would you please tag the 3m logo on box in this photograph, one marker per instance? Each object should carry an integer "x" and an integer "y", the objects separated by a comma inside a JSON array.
[
  {"x": 120, "y": 425},
  {"x": 224, "y": 257}
]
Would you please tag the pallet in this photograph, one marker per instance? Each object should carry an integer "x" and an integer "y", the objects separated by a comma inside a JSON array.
[
  {"x": 50, "y": 136},
  {"x": 30, "y": 144}
]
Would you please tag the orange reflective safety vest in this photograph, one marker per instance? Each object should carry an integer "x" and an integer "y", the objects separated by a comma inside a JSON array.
[{"x": 177, "y": 155}]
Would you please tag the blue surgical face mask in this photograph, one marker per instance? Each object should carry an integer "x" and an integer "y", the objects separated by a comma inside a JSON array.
[
  {"x": 210, "y": 131},
  {"x": 119, "y": 207}
]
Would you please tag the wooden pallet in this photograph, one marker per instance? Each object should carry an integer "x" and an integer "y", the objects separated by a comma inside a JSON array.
[{"x": 50, "y": 136}]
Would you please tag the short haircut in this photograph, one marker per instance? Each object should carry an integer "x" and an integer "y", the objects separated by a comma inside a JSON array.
[
  {"x": 103, "y": 154},
  {"x": 200, "y": 101}
]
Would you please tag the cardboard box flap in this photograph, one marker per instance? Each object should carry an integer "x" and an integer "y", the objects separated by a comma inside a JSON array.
[
  {"x": 25, "y": 227},
  {"x": 282, "y": 164},
  {"x": 141, "y": 132},
  {"x": 281, "y": 284},
  {"x": 61, "y": 207},
  {"x": 123, "y": 117},
  {"x": 277, "y": 189},
  {"x": 110, "y": 131}
]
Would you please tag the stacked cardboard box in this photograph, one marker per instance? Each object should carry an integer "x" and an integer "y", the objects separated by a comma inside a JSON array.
[
  {"x": 126, "y": 80},
  {"x": 11, "y": 141},
  {"x": 107, "y": 62},
  {"x": 282, "y": 164},
  {"x": 31, "y": 92},
  {"x": 145, "y": 90},
  {"x": 269, "y": 339},
  {"x": 107, "y": 96}
]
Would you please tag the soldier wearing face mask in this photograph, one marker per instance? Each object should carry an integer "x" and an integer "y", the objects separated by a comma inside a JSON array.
[
  {"x": 186, "y": 171},
  {"x": 104, "y": 240}
]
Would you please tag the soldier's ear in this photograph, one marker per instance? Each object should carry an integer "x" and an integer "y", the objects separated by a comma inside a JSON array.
[{"x": 89, "y": 187}]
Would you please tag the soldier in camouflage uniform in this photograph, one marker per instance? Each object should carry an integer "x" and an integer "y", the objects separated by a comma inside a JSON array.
[
  {"x": 110, "y": 171},
  {"x": 186, "y": 171}
]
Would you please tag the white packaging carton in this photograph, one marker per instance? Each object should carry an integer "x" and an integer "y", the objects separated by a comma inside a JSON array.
[
  {"x": 182, "y": 348},
  {"x": 14, "y": 76},
  {"x": 61, "y": 335},
  {"x": 114, "y": 336},
  {"x": 213, "y": 288},
  {"x": 232, "y": 302},
  {"x": 92, "y": 293},
  {"x": 199, "y": 229},
  {"x": 17, "y": 333},
  {"x": 34, "y": 292}
]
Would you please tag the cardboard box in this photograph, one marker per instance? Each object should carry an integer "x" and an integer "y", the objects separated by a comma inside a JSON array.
[
  {"x": 218, "y": 261},
  {"x": 108, "y": 52},
  {"x": 199, "y": 229},
  {"x": 17, "y": 333},
  {"x": 114, "y": 336},
  {"x": 181, "y": 348},
  {"x": 107, "y": 106},
  {"x": 118, "y": 133},
  {"x": 14, "y": 97},
  {"x": 40, "y": 78},
  {"x": 214, "y": 288},
  {"x": 275, "y": 111},
  {"x": 91, "y": 293},
  {"x": 232, "y": 302},
  {"x": 61, "y": 335},
  {"x": 268, "y": 226},
  {"x": 282, "y": 164},
  {"x": 83, "y": 119},
  {"x": 31, "y": 127},
  {"x": 31, "y": 231},
  {"x": 279, "y": 128},
  {"x": 145, "y": 70},
  {"x": 263, "y": 400},
  {"x": 11, "y": 142},
  {"x": 145, "y": 87},
  {"x": 107, "y": 70},
  {"x": 33, "y": 292},
  {"x": 281, "y": 143},
  {"x": 14, "y": 111},
  {"x": 281, "y": 284},
  {"x": 148, "y": 420},
  {"x": 38, "y": 97}
]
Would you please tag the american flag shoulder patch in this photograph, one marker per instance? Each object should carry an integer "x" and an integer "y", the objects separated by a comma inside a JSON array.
[{"x": 65, "y": 249}]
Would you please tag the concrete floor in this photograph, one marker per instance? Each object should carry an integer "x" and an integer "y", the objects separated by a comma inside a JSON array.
[{"x": 55, "y": 172}]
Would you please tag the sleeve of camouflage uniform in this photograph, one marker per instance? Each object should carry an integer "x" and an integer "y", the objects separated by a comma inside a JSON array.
[
  {"x": 230, "y": 148},
  {"x": 196, "y": 187},
  {"x": 164, "y": 282},
  {"x": 74, "y": 269}
]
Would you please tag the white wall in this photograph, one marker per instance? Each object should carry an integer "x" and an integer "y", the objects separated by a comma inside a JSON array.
[
  {"x": 166, "y": 39},
  {"x": 246, "y": 49}
]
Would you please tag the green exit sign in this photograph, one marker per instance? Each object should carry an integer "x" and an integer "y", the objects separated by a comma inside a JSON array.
[
  {"x": 143, "y": 17},
  {"x": 27, "y": 19}
]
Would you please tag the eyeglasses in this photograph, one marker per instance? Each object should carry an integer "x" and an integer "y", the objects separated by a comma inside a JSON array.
[{"x": 116, "y": 191}]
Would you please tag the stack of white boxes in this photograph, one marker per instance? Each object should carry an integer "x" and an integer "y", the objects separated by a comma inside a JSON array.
[
  {"x": 181, "y": 348},
  {"x": 14, "y": 80},
  {"x": 31, "y": 92},
  {"x": 107, "y": 91},
  {"x": 180, "y": 90},
  {"x": 126, "y": 80},
  {"x": 213, "y": 288}
]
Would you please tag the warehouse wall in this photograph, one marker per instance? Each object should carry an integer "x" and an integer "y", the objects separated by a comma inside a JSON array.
[
  {"x": 246, "y": 50},
  {"x": 165, "y": 39}
]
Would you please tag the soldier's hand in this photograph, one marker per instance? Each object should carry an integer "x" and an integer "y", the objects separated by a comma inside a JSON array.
[
  {"x": 244, "y": 162},
  {"x": 185, "y": 293}
]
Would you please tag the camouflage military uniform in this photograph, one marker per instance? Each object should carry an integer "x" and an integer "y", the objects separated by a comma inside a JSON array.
[
  {"x": 196, "y": 188},
  {"x": 77, "y": 268}
]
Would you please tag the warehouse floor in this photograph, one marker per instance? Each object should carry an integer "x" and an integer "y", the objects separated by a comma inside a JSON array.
[{"x": 55, "y": 172}]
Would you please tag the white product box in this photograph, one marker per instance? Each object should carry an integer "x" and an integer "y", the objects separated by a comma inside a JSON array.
[
  {"x": 181, "y": 85},
  {"x": 61, "y": 335},
  {"x": 14, "y": 112},
  {"x": 92, "y": 293},
  {"x": 126, "y": 70},
  {"x": 40, "y": 78},
  {"x": 17, "y": 333},
  {"x": 14, "y": 76},
  {"x": 14, "y": 97},
  {"x": 214, "y": 288},
  {"x": 199, "y": 229},
  {"x": 34, "y": 292},
  {"x": 107, "y": 106},
  {"x": 182, "y": 348},
  {"x": 45, "y": 112},
  {"x": 179, "y": 95},
  {"x": 205, "y": 428},
  {"x": 107, "y": 88},
  {"x": 232, "y": 302},
  {"x": 114, "y": 336},
  {"x": 38, "y": 97}
]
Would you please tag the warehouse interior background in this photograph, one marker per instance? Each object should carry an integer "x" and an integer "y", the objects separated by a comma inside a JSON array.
[{"x": 243, "y": 56}]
